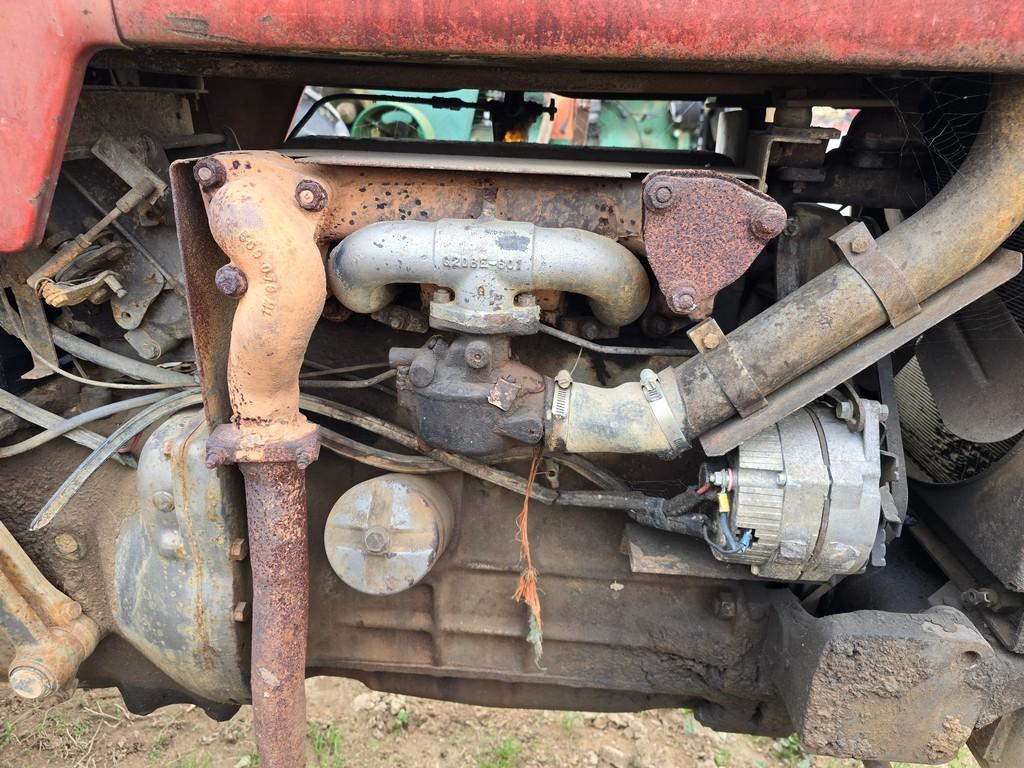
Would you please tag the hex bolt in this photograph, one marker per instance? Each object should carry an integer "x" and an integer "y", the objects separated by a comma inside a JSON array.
[
  {"x": 711, "y": 341},
  {"x": 231, "y": 281},
  {"x": 163, "y": 501},
  {"x": 31, "y": 683},
  {"x": 239, "y": 550},
  {"x": 478, "y": 354},
  {"x": 526, "y": 300},
  {"x": 66, "y": 543},
  {"x": 767, "y": 221},
  {"x": 681, "y": 301},
  {"x": 209, "y": 173},
  {"x": 590, "y": 329},
  {"x": 844, "y": 410},
  {"x": 442, "y": 296},
  {"x": 859, "y": 244},
  {"x": 241, "y": 612},
  {"x": 376, "y": 540},
  {"x": 658, "y": 196},
  {"x": 310, "y": 195}
]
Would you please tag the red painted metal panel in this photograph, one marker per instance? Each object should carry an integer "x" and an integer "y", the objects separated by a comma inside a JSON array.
[
  {"x": 47, "y": 42},
  {"x": 734, "y": 34},
  {"x": 44, "y": 47}
]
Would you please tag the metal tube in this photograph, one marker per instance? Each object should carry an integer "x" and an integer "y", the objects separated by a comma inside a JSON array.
[
  {"x": 275, "y": 496},
  {"x": 957, "y": 230}
]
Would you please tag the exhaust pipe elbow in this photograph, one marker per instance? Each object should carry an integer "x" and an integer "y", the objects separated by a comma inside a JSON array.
[
  {"x": 276, "y": 271},
  {"x": 486, "y": 263}
]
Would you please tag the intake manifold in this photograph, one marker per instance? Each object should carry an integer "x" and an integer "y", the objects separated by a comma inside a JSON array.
[{"x": 485, "y": 264}]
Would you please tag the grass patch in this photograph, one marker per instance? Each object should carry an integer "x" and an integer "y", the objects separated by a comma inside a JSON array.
[
  {"x": 504, "y": 755},
  {"x": 326, "y": 742},
  {"x": 570, "y": 721}
]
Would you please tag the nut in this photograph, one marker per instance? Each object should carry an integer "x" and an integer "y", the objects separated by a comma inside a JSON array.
[
  {"x": 590, "y": 329},
  {"x": 681, "y": 301},
  {"x": 844, "y": 410},
  {"x": 231, "y": 281},
  {"x": 310, "y": 195},
  {"x": 209, "y": 173},
  {"x": 442, "y": 296},
  {"x": 711, "y": 341},
  {"x": 859, "y": 244},
  {"x": 238, "y": 550},
  {"x": 658, "y": 196}
]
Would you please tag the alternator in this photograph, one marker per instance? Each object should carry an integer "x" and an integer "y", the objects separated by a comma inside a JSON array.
[{"x": 801, "y": 500}]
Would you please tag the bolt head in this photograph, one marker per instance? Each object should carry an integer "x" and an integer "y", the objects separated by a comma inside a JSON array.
[
  {"x": 310, "y": 195},
  {"x": 442, "y": 296},
  {"x": 844, "y": 410},
  {"x": 526, "y": 300},
  {"x": 231, "y": 281},
  {"x": 711, "y": 341},
  {"x": 658, "y": 196},
  {"x": 478, "y": 354},
  {"x": 376, "y": 540},
  {"x": 209, "y": 173},
  {"x": 163, "y": 501},
  {"x": 241, "y": 612},
  {"x": 681, "y": 302},
  {"x": 768, "y": 221},
  {"x": 859, "y": 244}
]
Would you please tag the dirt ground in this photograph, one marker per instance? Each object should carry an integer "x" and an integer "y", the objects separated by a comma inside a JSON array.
[{"x": 351, "y": 726}]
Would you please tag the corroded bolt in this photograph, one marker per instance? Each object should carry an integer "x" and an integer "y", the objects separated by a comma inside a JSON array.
[
  {"x": 31, "y": 683},
  {"x": 681, "y": 302},
  {"x": 478, "y": 354},
  {"x": 711, "y": 341},
  {"x": 66, "y": 543},
  {"x": 768, "y": 221},
  {"x": 163, "y": 501},
  {"x": 725, "y": 606},
  {"x": 442, "y": 296},
  {"x": 859, "y": 244},
  {"x": 376, "y": 540},
  {"x": 658, "y": 196},
  {"x": 70, "y": 610},
  {"x": 209, "y": 173},
  {"x": 310, "y": 195},
  {"x": 241, "y": 612},
  {"x": 238, "y": 550},
  {"x": 231, "y": 281}
]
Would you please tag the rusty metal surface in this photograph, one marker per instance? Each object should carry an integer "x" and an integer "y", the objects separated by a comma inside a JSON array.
[
  {"x": 702, "y": 230},
  {"x": 275, "y": 496},
  {"x": 954, "y": 233},
  {"x": 849, "y": 680},
  {"x": 998, "y": 269}
]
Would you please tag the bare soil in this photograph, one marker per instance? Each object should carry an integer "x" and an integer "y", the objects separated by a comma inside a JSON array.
[{"x": 351, "y": 726}]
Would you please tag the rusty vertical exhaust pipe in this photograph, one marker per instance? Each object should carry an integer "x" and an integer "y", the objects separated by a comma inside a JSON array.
[{"x": 264, "y": 214}]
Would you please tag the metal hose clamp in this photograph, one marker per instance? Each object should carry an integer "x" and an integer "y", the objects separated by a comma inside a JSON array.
[{"x": 650, "y": 384}]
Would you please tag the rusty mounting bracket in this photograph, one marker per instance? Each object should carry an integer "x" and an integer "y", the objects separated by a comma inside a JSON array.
[
  {"x": 702, "y": 230},
  {"x": 880, "y": 272},
  {"x": 729, "y": 371}
]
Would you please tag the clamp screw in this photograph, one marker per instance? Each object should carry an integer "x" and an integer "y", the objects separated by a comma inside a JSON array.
[
  {"x": 310, "y": 195},
  {"x": 563, "y": 379}
]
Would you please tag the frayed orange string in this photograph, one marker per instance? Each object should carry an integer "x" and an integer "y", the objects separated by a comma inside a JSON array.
[{"x": 526, "y": 592}]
